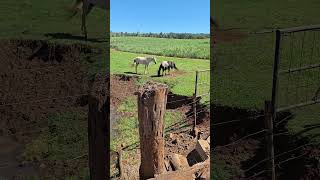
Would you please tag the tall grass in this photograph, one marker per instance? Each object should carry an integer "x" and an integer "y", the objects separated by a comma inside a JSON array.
[{"x": 185, "y": 48}]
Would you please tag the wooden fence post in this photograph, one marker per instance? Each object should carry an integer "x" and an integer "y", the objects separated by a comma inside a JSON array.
[
  {"x": 268, "y": 114},
  {"x": 152, "y": 100},
  {"x": 98, "y": 125}
]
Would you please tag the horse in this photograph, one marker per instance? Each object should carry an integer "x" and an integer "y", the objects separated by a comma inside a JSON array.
[
  {"x": 166, "y": 65},
  {"x": 143, "y": 60},
  {"x": 87, "y": 6}
]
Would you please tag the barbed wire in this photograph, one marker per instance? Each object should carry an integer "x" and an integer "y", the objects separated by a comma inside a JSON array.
[
  {"x": 238, "y": 140},
  {"x": 48, "y": 68},
  {"x": 237, "y": 120},
  {"x": 257, "y": 174},
  {"x": 256, "y": 164},
  {"x": 286, "y": 152},
  {"x": 290, "y": 159},
  {"x": 284, "y": 119},
  {"x": 179, "y": 100},
  {"x": 43, "y": 100}
]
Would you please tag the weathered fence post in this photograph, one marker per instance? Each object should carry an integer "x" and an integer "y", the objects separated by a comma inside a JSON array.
[
  {"x": 152, "y": 100},
  {"x": 98, "y": 125},
  {"x": 268, "y": 114}
]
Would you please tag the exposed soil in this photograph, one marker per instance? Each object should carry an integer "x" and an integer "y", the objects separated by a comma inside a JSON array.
[
  {"x": 37, "y": 78},
  {"x": 122, "y": 87},
  {"x": 249, "y": 151}
]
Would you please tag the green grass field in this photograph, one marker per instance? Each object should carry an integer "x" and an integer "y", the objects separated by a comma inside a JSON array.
[{"x": 185, "y": 48}]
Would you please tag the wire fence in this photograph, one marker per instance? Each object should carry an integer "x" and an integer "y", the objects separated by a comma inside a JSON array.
[
  {"x": 296, "y": 76},
  {"x": 202, "y": 84},
  {"x": 187, "y": 111},
  {"x": 242, "y": 79}
]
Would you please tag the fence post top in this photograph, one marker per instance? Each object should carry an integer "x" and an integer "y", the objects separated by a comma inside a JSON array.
[{"x": 152, "y": 86}]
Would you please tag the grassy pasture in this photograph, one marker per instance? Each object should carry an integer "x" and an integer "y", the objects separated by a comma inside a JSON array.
[
  {"x": 185, "y": 48},
  {"x": 182, "y": 83}
]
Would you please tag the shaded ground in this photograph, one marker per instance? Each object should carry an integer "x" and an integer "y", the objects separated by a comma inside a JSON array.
[
  {"x": 39, "y": 79},
  {"x": 240, "y": 157}
]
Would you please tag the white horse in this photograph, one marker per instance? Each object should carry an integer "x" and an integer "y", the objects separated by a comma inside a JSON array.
[
  {"x": 87, "y": 6},
  {"x": 144, "y": 60}
]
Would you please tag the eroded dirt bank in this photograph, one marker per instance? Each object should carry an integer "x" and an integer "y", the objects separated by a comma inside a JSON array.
[{"x": 38, "y": 79}]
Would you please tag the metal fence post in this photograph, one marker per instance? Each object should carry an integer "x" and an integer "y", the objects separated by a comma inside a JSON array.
[
  {"x": 268, "y": 117},
  {"x": 275, "y": 71},
  {"x": 195, "y": 101}
]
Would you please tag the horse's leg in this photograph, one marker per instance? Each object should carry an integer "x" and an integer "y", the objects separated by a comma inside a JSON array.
[
  {"x": 136, "y": 68},
  {"x": 145, "y": 68},
  {"x": 86, "y": 10},
  {"x": 83, "y": 27}
]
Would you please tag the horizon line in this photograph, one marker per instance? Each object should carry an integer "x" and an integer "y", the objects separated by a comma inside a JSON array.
[{"x": 160, "y": 32}]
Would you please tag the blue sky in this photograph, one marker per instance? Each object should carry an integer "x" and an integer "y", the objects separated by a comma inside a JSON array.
[{"x": 191, "y": 16}]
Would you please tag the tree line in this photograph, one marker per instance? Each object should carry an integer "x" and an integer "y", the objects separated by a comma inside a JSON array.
[{"x": 163, "y": 35}]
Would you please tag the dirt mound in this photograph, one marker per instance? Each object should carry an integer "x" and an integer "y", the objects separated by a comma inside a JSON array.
[
  {"x": 121, "y": 87},
  {"x": 38, "y": 78}
]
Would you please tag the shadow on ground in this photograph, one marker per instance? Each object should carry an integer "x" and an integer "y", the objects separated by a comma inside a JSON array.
[
  {"x": 68, "y": 36},
  {"x": 248, "y": 152}
]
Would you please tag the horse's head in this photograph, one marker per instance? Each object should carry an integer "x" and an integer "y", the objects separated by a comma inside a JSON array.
[{"x": 174, "y": 66}]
